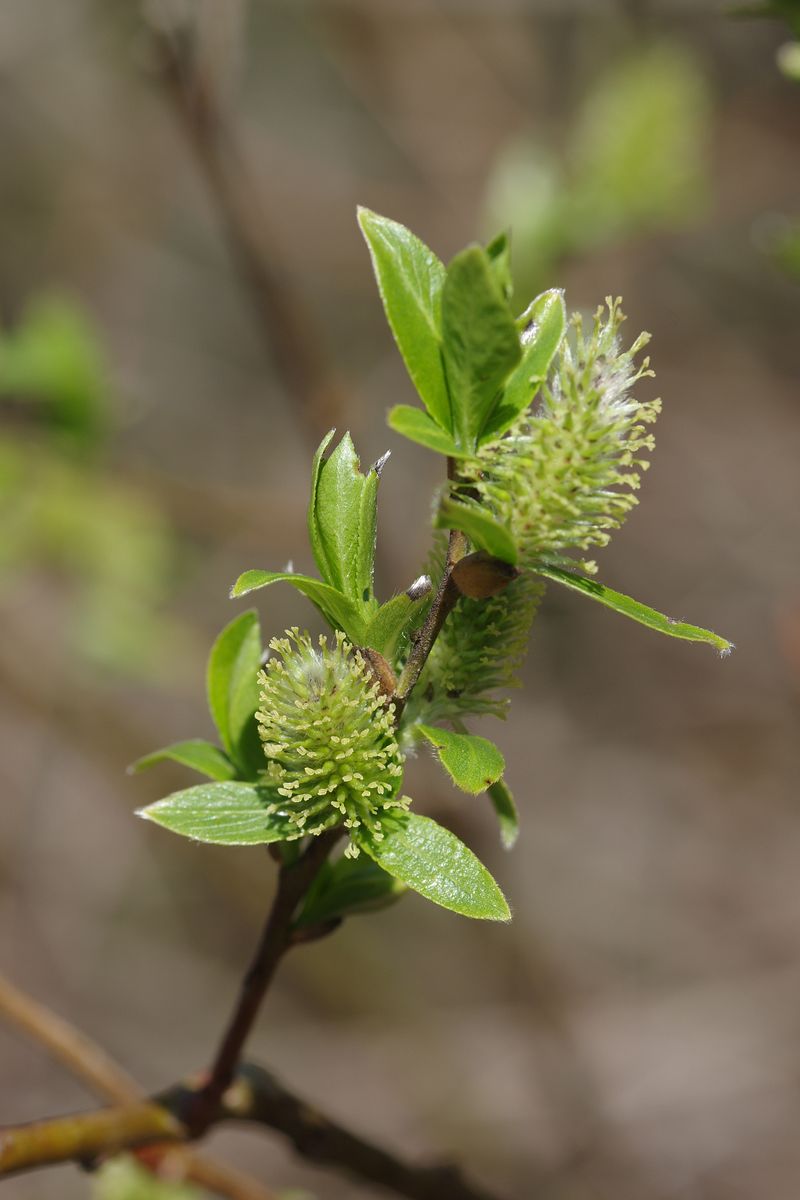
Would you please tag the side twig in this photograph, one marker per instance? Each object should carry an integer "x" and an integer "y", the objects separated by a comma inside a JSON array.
[{"x": 256, "y": 1097}]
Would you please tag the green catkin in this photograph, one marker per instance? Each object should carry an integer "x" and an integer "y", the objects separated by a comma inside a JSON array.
[
  {"x": 328, "y": 735},
  {"x": 478, "y": 652},
  {"x": 563, "y": 477}
]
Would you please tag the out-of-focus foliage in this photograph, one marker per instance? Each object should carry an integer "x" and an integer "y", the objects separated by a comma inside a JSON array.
[
  {"x": 634, "y": 161},
  {"x": 778, "y": 236},
  {"x": 124, "y": 1179},
  {"x": 787, "y": 55},
  {"x": 61, "y": 511}
]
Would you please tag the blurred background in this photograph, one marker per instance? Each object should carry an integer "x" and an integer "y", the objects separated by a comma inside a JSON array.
[{"x": 186, "y": 308}]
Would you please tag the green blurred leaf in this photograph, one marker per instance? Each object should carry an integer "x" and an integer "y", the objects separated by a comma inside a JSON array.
[
  {"x": 506, "y": 809},
  {"x": 123, "y": 1178},
  {"x": 348, "y": 887},
  {"x": 417, "y": 426},
  {"x": 640, "y": 145},
  {"x": 200, "y": 755},
  {"x": 337, "y": 610},
  {"x": 432, "y": 861},
  {"x": 223, "y": 814},
  {"x": 342, "y": 519},
  {"x": 54, "y": 357},
  {"x": 481, "y": 343},
  {"x": 482, "y": 529},
  {"x": 410, "y": 279},
  {"x": 473, "y": 763},
  {"x": 633, "y": 609},
  {"x": 394, "y": 620},
  {"x": 544, "y": 323}
]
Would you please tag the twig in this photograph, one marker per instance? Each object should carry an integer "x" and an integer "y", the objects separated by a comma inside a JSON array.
[
  {"x": 255, "y": 1097},
  {"x": 90, "y": 1063},
  {"x": 79, "y": 1054},
  {"x": 295, "y": 343},
  {"x": 443, "y": 604},
  {"x": 293, "y": 883}
]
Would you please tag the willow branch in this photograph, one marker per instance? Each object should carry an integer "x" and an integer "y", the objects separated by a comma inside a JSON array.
[
  {"x": 294, "y": 881},
  {"x": 255, "y": 1097}
]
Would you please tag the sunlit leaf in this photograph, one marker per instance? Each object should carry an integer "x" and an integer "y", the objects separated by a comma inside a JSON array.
[
  {"x": 410, "y": 279},
  {"x": 225, "y": 814},
  {"x": 232, "y": 684},
  {"x": 196, "y": 753},
  {"x": 481, "y": 343},
  {"x": 473, "y": 763},
  {"x": 432, "y": 861},
  {"x": 337, "y": 610},
  {"x": 633, "y": 609},
  {"x": 417, "y": 426}
]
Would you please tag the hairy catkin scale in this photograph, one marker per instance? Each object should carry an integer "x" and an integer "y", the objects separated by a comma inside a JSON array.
[
  {"x": 563, "y": 477},
  {"x": 328, "y": 735}
]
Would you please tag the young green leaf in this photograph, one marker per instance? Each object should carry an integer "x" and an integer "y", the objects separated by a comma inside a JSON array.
[
  {"x": 200, "y": 755},
  {"x": 499, "y": 254},
  {"x": 543, "y": 325},
  {"x": 342, "y": 520},
  {"x": 337, "y": 610},
  {"x": 318, "y": 547},
  {"x": 506, "y": 809},
  {"x": 395, "y": 619},
  {"x": 432, "y": 861},
  {"x": 633, "y": 609},
  {"x": 417, "y": 426},
  {"x": 473, "y": 763},
  {"x": 482, "y": 529},
  {"x": 481, "y": 343},
  {"x": 225, "y": 814},
  {"x": 232, "y": 685},
  {"x": 348, "y": 887},
  {"x": 410, "y": 279}
]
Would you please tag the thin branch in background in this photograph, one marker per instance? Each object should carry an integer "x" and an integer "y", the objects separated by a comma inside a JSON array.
[
  {"x": 93, "y": 1066},
  {"x": 255, "y": 1097},
  {"x": 292, "y": 335}
]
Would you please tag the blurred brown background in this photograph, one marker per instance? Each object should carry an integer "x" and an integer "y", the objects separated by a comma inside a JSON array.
[{"x": 636, "y": 1031}]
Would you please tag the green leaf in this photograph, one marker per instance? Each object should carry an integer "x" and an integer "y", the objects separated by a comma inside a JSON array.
[
  {"x": 499, "y": 255},
  {"x": 506, "y": 809},
  {"x": 394, "y": 620},
  {"x": 337, "y": 610},
  {"x": 543, "y": 322},
  {"x": 633, "y": 609},
  {"x": 417, "y": 426},
  {"x": 342, "y": 520},
  {"x": 200, "y": 755},
  {"x": 473, "y": 763},
  {"x": 481, "y": 343},
  {"x": 410, "y": 279},
  {"x": 348, "y": 887},
  {"x": 483, "y": 530},
  {"x": 224, "y": 814},
  {"x": 232, "y": 683},
  {"x": 318, "y": 547},
  {"x": 432, "y": 861}
]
